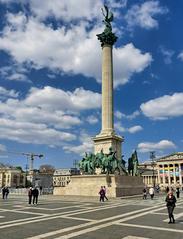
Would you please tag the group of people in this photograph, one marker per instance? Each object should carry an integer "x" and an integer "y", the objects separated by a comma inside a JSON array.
[
  {"x": 5, "y": 192},
  {"x": 151, "y": 193},
  {"x": 170, "y": 200},
  {"x": 102, "y": 194},
  {"x": 33, "y": 194}
]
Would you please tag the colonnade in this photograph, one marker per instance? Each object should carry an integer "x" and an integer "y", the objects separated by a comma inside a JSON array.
[{"x": 170, "y": 173}]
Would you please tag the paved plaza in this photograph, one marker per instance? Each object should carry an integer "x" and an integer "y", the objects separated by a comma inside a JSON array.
[{"x": 57, "y": 217}]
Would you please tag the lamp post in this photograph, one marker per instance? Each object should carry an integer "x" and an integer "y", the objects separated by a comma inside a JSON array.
[{"x": 152, "y": 157}]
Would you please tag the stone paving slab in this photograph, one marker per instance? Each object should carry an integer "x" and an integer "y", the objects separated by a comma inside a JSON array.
[{"x": 75, "y": 217}]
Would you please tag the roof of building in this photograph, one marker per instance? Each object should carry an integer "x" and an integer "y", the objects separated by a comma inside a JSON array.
[
  {"x": 148, "y": 172},
  {"x": 170, "y": 157}
]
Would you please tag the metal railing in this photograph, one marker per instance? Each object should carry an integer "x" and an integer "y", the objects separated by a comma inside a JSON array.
[{"x": 24, "y": 191}]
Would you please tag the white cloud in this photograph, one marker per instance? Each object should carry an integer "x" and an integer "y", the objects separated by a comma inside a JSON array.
[
  {"x": 143, "y": 15},
  {"x": 26, "y": 132},
  {"x": 4, "y": 93},
  {"x": 167, "y": 53},
  {"x": 145, "y": 147},
  {"x": 49, "y": 97},
  {"x": 85, "y": 146},
  {"x": 66, "y": 48},
  {"x": 131, "y": 130},
  {"x": 40, "y": 116},
  {"x": 135, "y": 129},
  {"x": 164, "y": 107},
  {"x": 66, "y": 10},
  {"x": 92, "y": 119},
  {"x": 14, "y": 72},
  {"x": 180, "y": 56},
  {"x": 127, "y": 61},
  {"x": 18, "y": 77},
  {"x": 2, "y": 148},
  {"x": 120, "y": 115}
]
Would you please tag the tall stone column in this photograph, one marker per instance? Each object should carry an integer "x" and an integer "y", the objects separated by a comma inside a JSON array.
[
  {"x": 107, "y": 137},
  {"x": 107, "y": 91},
  {"x": 180, "y": 175},
  {"x": 163, "y": 174},
  {"x": 174, "y": 177},
  {"x": 169, "y": 182},
  {"x": 158, "y": 169}
]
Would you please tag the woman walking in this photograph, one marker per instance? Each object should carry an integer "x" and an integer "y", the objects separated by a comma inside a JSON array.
[{"x": 170, "y": 203}]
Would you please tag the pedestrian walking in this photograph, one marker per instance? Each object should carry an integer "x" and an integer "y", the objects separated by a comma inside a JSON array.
[
  {"x": 105, "y": 192},
  {"x": 144, "y": 193},
  {"x": 35, "y": 194},
  {"x": 151, "y": 192},
  {"x": 178, "y": 192},
  {"x": 167, "y": 189},
  {"x": 3, "y": 192},
  {"x": 170, "y": 203},
  {"x": 30, "y": 195},
  {"x": 6, "y": 192},
  {"x": 157, "y": 188},
  {"x": 40, "y": 190},
  {"x": 101, "y": 193}
]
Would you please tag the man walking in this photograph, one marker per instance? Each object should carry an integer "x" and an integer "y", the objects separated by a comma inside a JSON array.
[
  {"x": 35, "y": 194},
  {"x": 105, "y": 192},
  {"x": 30, "y": 195},
  {"x": 151, "y": 192}
]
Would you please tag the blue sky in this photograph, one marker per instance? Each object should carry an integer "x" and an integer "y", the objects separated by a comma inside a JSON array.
[{"x": 50, "y": 78}]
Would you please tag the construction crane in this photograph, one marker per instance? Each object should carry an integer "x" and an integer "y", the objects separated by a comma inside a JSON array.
[{"x": 31, "y": 156}]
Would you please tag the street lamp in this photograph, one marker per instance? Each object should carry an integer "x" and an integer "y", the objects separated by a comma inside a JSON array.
[{"x": 152, "y": 157}]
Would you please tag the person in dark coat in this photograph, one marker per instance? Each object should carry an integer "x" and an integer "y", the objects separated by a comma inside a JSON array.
[
  {"x": 3, "y": 192},
  {"x": 105, "y": 192},
  {"x": 167, "y": 189},
  {"x": 144, "y": 193},
  {"x": 30, "y": 195},
  {"x": 102, "y": 194},
  {"x": 178, "y": 192},
  {"x": 6, "y": 192},
  {"x": 170, "y": 203},
  {"x": 35, "y": 194}
]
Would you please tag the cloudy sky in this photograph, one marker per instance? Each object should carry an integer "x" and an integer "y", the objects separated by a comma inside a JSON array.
[{"x": 50, "y": 78}]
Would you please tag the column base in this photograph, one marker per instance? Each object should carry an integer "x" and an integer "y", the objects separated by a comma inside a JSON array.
[{"x": 103, "y": 141}]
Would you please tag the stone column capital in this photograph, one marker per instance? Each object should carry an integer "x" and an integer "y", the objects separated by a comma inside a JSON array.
[{"x": 108, "y": 38}]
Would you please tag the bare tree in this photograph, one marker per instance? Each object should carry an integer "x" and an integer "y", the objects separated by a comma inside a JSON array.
[{"x": 47, "y": 168}]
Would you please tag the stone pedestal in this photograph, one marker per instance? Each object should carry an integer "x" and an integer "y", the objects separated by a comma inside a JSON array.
[
  {"x": 105, "y": 142},
  {"x": 89, "y": 185}
]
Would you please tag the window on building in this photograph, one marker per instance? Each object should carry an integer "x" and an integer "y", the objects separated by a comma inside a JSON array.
[{"x": 166, "y": 179}]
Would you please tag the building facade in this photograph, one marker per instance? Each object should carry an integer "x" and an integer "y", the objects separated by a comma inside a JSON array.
[
  {"x": 12, "y": 177},
  {"x": 61, "y": 177},
  {"x": 166, "y": 171},
  {"x": 170, "y": 169}
]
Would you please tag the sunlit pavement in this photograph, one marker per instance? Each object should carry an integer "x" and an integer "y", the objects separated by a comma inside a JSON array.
[{"x": 74, "y": 217}]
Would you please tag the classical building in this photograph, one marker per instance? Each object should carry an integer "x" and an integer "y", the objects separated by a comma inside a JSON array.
[
  {"x": 61, "y": 177},
  {"x": 170, "y": 169},
  {"x": 165, "y": 171},
  {"x": 12, "y": 177}
]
